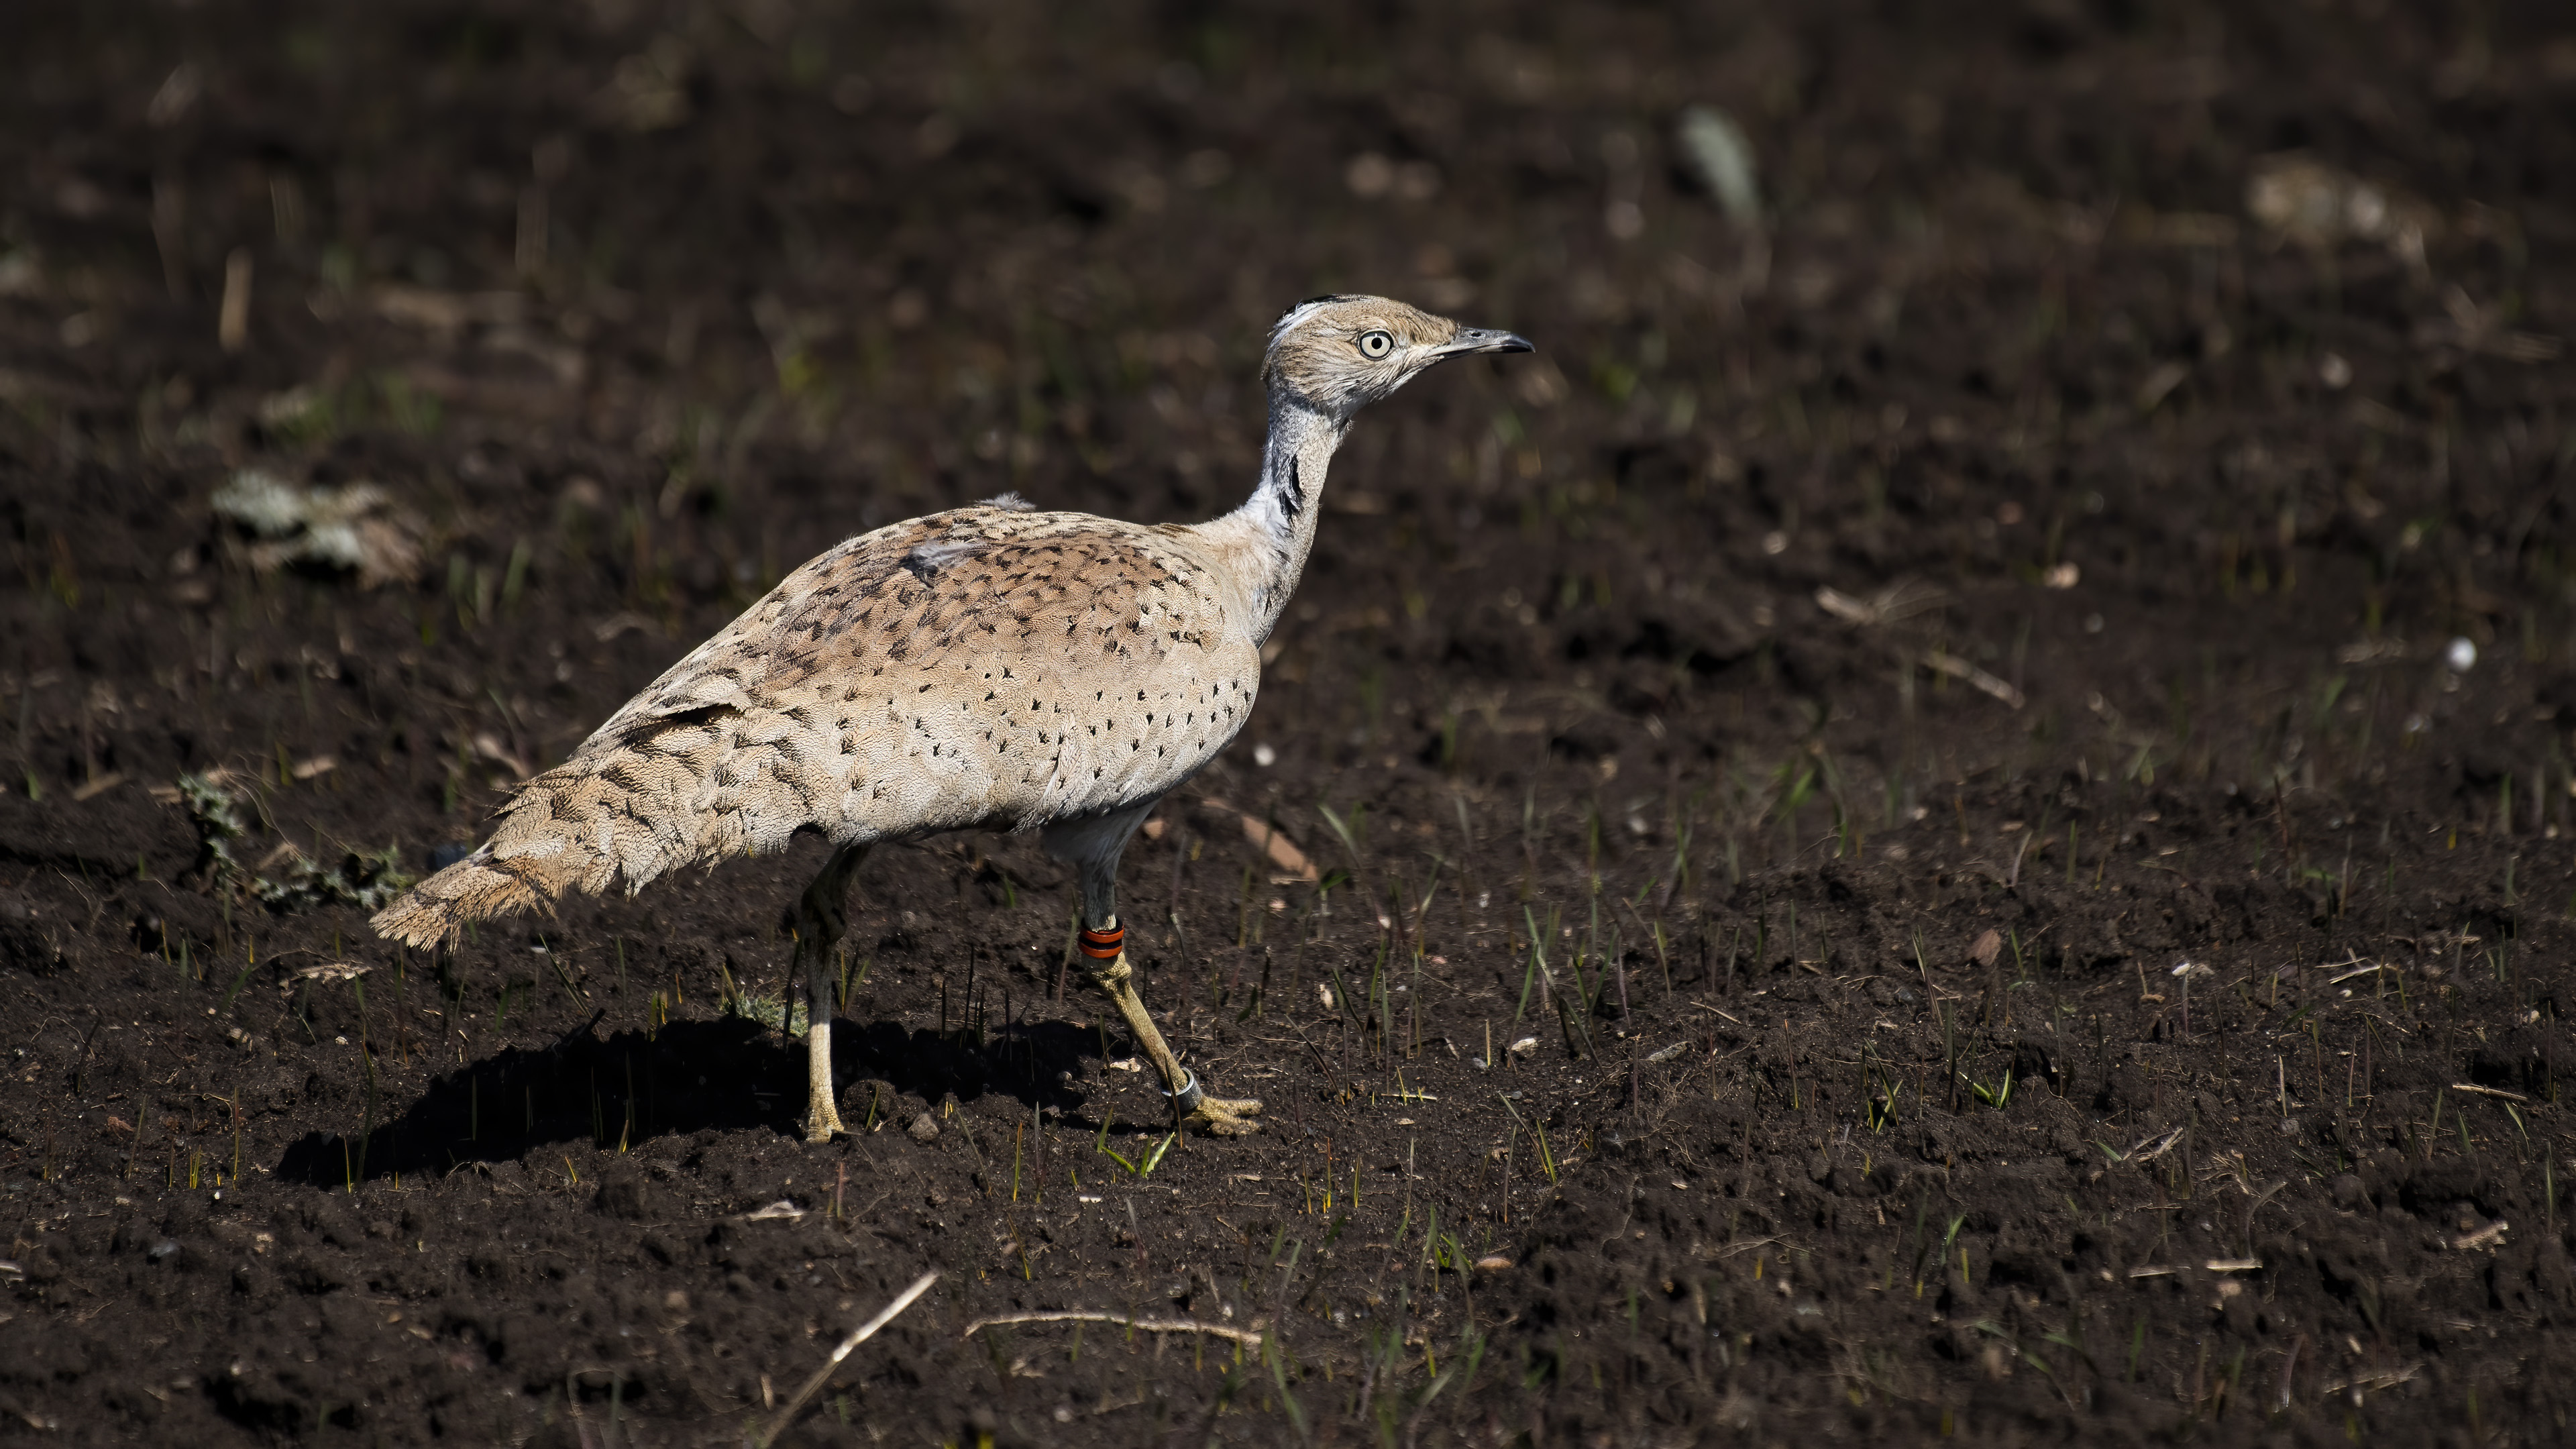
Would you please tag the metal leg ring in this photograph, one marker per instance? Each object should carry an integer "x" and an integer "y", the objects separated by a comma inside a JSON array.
[{"x": 1189, "y": 1094}]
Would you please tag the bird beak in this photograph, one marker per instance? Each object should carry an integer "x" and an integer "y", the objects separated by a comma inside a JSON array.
[{"x": 1482, "y": 339}]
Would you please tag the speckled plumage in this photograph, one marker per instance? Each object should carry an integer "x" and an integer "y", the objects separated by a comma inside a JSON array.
[
  {"x": 986, "y": 667},
  {"x": 992, "y": 666}
]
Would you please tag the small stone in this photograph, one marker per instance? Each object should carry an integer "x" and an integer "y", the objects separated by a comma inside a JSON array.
[
  {"x": 924, "y": 1129},
  {"x": 1493, "y": 1263}
]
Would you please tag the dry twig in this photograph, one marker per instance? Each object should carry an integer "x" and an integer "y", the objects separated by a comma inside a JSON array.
[
  {"x": 1250, "y": 1337},
  {"x": 1957, "y": 668},
  {"x": 865, "y": 1332}
]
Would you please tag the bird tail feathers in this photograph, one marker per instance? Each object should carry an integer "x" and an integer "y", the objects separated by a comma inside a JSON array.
[
  {"x": 473, "y": 889},
  {"x": 635, "y": 803},
  {"x": 580, "y": 827}
]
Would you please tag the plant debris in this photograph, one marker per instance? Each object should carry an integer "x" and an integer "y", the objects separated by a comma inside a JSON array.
[
  {"x": 366, "y": 879},
  {"x": 354, "y": 528}
]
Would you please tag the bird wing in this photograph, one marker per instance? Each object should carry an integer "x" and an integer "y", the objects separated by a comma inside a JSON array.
[{"x": 1015, "y": 668}]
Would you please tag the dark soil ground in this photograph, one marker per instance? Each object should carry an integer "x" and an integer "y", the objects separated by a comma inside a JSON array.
[{"x": 2046, "y": 937}]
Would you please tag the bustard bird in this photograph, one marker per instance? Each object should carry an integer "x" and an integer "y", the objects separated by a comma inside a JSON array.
[{"x": 993, "y": 667}]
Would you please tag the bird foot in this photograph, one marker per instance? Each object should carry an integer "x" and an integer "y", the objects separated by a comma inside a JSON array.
[
  {"x": 1221, "y": 1117},
  {"x": 822, "y": 1121}
]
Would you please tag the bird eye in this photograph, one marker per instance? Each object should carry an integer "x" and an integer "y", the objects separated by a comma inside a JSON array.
[{"x": 1374, "y": 345}]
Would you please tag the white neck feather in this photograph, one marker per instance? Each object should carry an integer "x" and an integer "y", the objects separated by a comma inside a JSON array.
[{"x": 1265, "y": 542}]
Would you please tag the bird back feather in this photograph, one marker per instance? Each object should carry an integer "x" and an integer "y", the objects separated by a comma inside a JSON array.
[{"x": 988, "y": 666}]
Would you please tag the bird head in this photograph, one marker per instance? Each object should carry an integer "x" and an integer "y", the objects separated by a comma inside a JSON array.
[{"x": 1339, "y": 354}]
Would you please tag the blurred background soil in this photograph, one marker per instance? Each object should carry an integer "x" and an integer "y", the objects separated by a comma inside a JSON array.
[{"x": 1949, "y": 816}]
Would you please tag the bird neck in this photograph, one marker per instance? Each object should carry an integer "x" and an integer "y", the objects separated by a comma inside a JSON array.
[{"x": 1269, "y": 537}]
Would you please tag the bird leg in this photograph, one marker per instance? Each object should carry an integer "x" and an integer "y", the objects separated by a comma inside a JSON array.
[
  {"x": 822, "y": 914},
  {"x": 1105, "y": 950},
  {"x": 1092, "y": 845}
]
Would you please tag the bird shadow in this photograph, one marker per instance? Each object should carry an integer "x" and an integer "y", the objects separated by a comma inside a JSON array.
[{"x": 626, "y": 1088}]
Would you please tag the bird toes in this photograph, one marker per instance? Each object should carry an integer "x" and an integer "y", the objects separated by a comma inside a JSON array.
[{"x": 1220, "y": 1117}]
